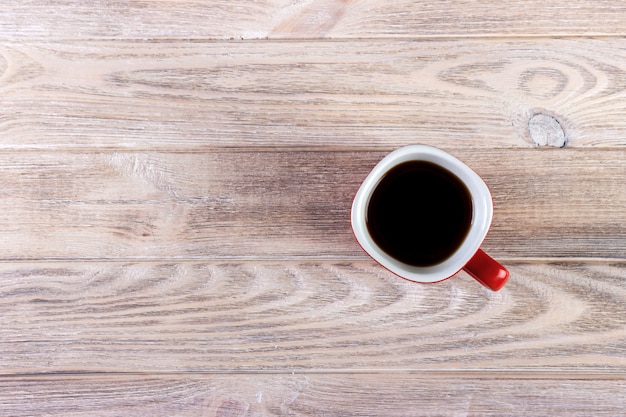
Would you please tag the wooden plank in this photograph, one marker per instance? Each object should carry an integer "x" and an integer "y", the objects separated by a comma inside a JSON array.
[
  {"x": 307, "y": 395},
  {"x": 116, "y": 205},
  {"x": 361, "y": 93},
  {"x": 289, "y": 316},
  {"x": 259, "y": 19}
]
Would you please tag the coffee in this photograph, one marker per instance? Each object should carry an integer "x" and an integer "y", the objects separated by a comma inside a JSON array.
[{"x": 419, "y": 213}]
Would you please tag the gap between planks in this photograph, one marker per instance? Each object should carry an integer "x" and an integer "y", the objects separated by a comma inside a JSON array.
[
  {"x": 296, "y": 259},
  {"x": 206, "y": 149},
  {"x": 476, "y": 374},
  {"x": 395, "y": 37}
]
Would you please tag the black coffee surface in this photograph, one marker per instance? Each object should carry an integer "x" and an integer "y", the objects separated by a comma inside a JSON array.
[{"x": 419, "y": 213}]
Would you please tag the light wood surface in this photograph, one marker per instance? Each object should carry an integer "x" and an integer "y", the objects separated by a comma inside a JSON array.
[
  {"x": 260, "y": 19},
  {"x": 286, "y": 203},
  {"x": 297, "y": 394},
  {"x": 354, "y": 93},
  {"x": 307, "y": 316},
  {"x": 177, "y": 178}
]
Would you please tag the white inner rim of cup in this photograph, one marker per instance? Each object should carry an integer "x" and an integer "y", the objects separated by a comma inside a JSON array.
[{"x": 481, "y": 214}]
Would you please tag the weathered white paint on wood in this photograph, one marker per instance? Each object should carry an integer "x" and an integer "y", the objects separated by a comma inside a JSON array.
[
  {"x": 378, "y": 394},
  {"x": 261, "y": 19},
  {"x": 174, "y": 200},
  {"x": 273, "y": 204},
  {"x": 353, "y": 94},
  {"x": 280, "y": 316}
]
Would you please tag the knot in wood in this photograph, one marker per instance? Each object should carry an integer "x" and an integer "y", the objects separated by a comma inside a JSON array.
[{"x": 546, "y": 130}]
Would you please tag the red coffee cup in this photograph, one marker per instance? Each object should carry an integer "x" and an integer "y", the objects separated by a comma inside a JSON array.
[{"x": 467, "y": 255}]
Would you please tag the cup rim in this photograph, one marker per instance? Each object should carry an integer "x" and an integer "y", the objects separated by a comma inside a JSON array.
[{"x": 482, "y": 214}]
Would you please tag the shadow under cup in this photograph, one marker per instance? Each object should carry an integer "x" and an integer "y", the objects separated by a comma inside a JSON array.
[{"x": 422, "y": 214}]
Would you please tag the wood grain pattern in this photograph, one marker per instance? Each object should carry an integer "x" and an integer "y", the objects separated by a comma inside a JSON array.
[
  {"x": 288, "y": 316},
  {"x": 176, "y": 184},
  {"x": 309, "y": 395},
  {"x": 260, "y": 19},
  {"x": 148, "y": 205},
  {"x": 352, "y": 94}
]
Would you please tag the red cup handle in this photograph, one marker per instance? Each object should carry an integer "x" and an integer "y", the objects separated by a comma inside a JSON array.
[{"x": 486, "y": 270}]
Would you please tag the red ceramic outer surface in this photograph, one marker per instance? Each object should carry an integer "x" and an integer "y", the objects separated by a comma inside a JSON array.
[{"x": 486, "y": 270}]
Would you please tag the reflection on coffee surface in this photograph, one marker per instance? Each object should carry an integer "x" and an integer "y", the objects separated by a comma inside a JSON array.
[{"x": 419, "y": 213}]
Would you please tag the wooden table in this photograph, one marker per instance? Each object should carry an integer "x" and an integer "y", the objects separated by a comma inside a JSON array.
[{"x": 176, "y": 187}]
